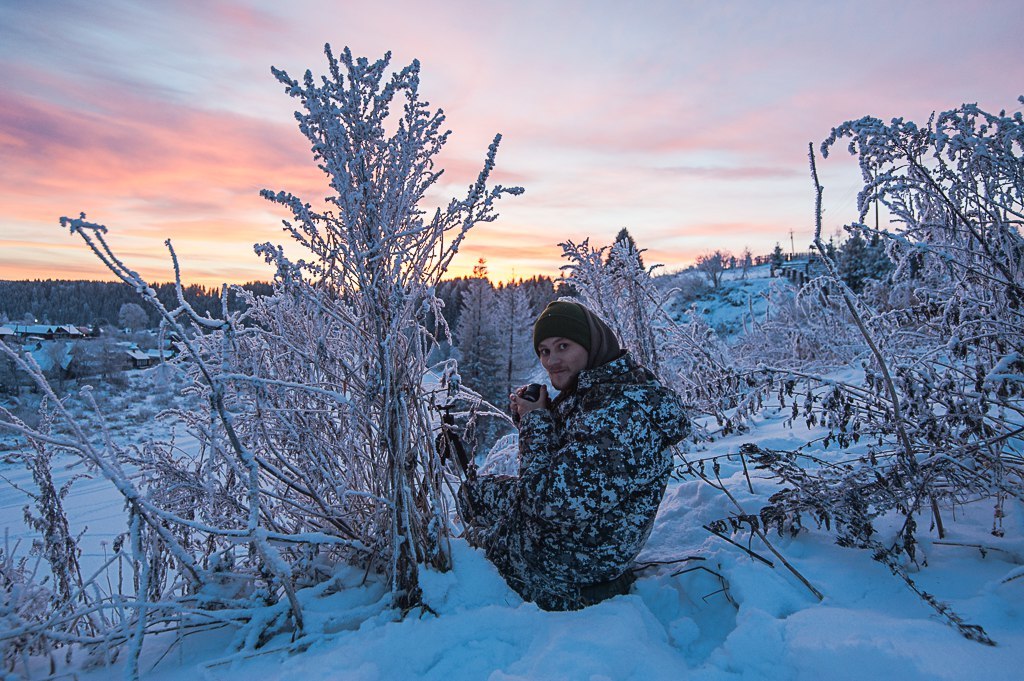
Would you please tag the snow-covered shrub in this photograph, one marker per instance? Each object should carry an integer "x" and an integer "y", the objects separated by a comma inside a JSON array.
[
  {"x": 333, "y": 371},
  {"x": 802, "y": 328},
  {"x": 39, "y": 613},
  {"x": 317, "y": 442},
  {"x": 941, "y": 406},
  {"x": 688, "y": 285},
  {"x": 24, "y": 606},
  {"x": 688, "y": 356}
]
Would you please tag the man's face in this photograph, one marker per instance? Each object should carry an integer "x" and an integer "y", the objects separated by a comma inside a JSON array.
[{"x": 562, "y": 359}]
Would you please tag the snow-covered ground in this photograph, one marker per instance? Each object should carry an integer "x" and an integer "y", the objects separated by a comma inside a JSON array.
[
  {"x": 740, "y": 298},
  {"x": 724, "y": 616},
  {"x": 94, "y": 510},
  {"x": 710, "y": 611}
]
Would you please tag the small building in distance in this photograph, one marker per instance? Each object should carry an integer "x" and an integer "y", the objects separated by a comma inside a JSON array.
[{"x": 27, "y": 332}]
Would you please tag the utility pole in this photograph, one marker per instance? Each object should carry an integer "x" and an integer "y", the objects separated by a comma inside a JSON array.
[{"x": 876, "y": 199}]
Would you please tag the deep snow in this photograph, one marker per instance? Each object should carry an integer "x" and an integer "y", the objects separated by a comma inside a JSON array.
[{"x": 869, "y": 626}]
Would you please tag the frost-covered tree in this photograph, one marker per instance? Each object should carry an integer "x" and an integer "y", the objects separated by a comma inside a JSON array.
[
  {"x": 57, "y": 355},
  {"x": 746, "y": 260},
  {"x": 713, "y": 266},
  {"x": 514, "y": 317},
  {"x": 477, "y": 339},
  {"x": 131, "y": 316}
]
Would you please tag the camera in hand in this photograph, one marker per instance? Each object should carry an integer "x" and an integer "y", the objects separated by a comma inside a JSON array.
[{"x": 531, "y": 393}]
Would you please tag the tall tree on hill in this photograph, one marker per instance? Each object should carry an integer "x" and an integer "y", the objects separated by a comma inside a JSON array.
[
  {"x": 626, "y": 251},
  {"x": 713, "y": 266}
]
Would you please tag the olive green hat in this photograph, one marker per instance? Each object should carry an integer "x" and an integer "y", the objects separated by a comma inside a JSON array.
[{"x": 564, "y": 320}]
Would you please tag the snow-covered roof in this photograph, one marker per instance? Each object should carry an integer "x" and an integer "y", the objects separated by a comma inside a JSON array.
[
  {"x": 137, "y": 354},
  {"x": 45, "y": 329},
  {"x": 34, "y": 329},
  {"x": 44, "y": 356},
  {"x": 6, "y": 331}
]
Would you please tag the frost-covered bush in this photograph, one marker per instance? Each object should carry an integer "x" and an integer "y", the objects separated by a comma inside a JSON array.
[
  {"x": 802, "y": 328},
  {"x": 688, "y": 356},
  {"x": 688, "y": 285},
  {"x": 316, "y": 444},
  {"x": 941, "y": 404}
]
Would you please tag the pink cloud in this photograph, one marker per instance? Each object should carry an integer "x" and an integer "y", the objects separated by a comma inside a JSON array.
[{"x": 145, "y": 166}]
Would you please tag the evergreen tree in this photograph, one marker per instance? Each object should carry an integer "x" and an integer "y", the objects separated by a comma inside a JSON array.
[
  {"x": 540, "y": 290},
  {"x": 514, "y": 331},
  {"x": 777, "y": 256},
  {"x": 628, "y": 246},
  {"x": 85, "y": 303},
  {"x": 861, "y": 261},
  {"x": 477, "y": 340}
]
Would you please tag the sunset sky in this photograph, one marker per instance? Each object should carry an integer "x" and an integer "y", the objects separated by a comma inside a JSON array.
[{"x": 686, "y": 122}]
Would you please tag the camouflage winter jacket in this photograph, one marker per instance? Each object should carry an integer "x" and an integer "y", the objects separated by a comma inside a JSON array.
[{"x": 593, "y": 470}]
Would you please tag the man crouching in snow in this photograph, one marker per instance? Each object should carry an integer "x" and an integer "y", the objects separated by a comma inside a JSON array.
[{"x": 593, "y": 468}]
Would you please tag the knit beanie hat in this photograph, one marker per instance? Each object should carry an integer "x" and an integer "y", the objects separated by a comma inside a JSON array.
[
  {"x": 573, "y": 321},
  {"x": 563, "y": 320}
]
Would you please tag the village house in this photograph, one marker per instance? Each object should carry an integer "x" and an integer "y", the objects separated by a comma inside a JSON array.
[{"x": 27, "y": 332}]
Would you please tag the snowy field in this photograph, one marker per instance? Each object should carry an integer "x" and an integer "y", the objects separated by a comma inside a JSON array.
[
  {"x": 707, "y": 611},
  {"x": 94, "y": 508}
]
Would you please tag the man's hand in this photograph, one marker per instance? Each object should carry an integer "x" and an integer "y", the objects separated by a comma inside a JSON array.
[{"x": 520, "y": 406}]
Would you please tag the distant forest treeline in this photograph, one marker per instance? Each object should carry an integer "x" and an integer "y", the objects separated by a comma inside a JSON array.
[
  {"x": 97, "y": 303},
  {"x": 540, "y": 291}
]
